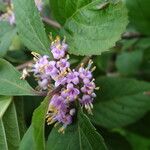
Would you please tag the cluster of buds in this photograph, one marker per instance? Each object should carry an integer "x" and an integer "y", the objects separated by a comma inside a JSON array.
[
  {"x": 9, "y": 16},
  {"x": 77, "y": 85}
]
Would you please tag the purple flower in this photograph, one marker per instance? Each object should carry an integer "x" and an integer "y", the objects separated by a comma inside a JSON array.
[
  {"x": 71, "y": 92},
  {"x": 41, "y": 63},
  {"x": 50, "y": 69},
  {"x": 88, "y": 88},
  {"x": 58, "y": 102},
  {"x": 86, "y": 101},
  {"x": 39, "y": 4},
  {"x": 72, "y": 77},
  {"x": 84, "y": 73},
  {"x": 8, "y": 16},
  {"x": 43, "y": 84},
  {"x": 60, "y": 80},
  {"x": 63, "y": 64},
  {"x": 58, "y": 49}
]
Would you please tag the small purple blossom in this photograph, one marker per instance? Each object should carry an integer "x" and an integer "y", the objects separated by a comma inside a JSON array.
[
  {"x": 60, "y": 80},
  {"x": 71, "y": 92},
  {"x": 86, "y": 101},
  {"x": 8, "y": 16},
  {"x": 58, "y": 49},
  {"x": 63, "y": 64},
  {"x": 84, "y": 73},
  {"x": 39, "y": 4},
  {"x": 50, "y": 69},
  {"x": 88, "y": 88},
  {"x": 43, "y": 84},
  {"x": 72, "y": 77}
]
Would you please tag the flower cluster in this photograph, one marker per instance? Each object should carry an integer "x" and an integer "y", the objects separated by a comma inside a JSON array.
[
  {"x": 9, "y": 16},
  {"x": 76, "y": 84}
]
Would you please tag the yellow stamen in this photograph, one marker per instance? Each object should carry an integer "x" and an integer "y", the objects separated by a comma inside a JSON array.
[
  {"x": 61, "y": 130},
  {"x": 93, "y": 69},
  {"x": 97, "y": 88}
]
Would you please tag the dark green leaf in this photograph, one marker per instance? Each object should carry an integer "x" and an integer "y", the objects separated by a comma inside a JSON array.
[
  {"x": 9, "y": 130},
  {"x": 68, "y": 7},
  {"x": 95, "y": 27},
  {"x": 129, "y": 62},
  {"x": 139, "y": 14},
  {"x": 80, "y": 136},
  {"x": 30, "y": 26},
  {"x": 11, "y": 127},
  {"x": 137, "y": 142},
  {"x": 10, "y": 82},
  {"x": 120, "y": 101},
  {"x": 38, "y": 123}
]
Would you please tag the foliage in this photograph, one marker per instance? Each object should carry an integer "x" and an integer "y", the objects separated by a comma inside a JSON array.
[{"x": 115, "y": 34}]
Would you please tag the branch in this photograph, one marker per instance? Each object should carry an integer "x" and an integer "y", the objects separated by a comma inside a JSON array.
[
  {"x": 26, "y": 64},
  {"x": 131, "y": 35},
  {"x": 51, "y": 22},
  {"x": 147, "y": 93}
]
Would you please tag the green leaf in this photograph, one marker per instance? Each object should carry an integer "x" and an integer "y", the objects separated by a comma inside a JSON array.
[
  {"x": 115, "y": 141},
  {"x": 38, "y": 123},
  {"x": 68, "y": 7},
  {"x": 120, "y": 101},
  {"x": 30, "y": 26},
  {"x": 4, "y": 103},
  {"x": 139, "y": 14},
  {"x": 7, "y": 32},
  {"x": 9, "y": 130},
  {"x": 95, "y": 27},
  {"x": 10, "y": 82},
  {"x": 6, "y": 41},
  {"x": 79, "y": 136},
  {"x": 27, "y": 142},
  {"x": 138, "y": 142},
  {"x": 11, "y": 127},
  {"x": 129, "y": 62}
]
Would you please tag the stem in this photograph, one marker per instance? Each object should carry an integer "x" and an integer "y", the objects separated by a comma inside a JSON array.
[
  {"x": 51, "y": 22},
  {"x": 84, "y": 61},
  {"x": 147, "y": 93},
  {"x": 26, "y": 64},
  {"x": 131, "y": 35}
]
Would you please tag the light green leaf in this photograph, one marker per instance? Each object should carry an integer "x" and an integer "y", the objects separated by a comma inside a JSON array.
[
  {"x": 80, "y": 136},
  {"x": 9, "y": 130},
  {"x": 38, "y": 124},
  {"x": 129, "y": 62},
  {"x": 7, "y": 32},
  {"x": 95, "y": 27},
  {"x": 10, "y": 82},
  {"x": 4, "y": 103},
  {"x": 4, "y": 28},
  {"x": 139, "y": 14},
  {"x": 120, "y": 101},
  {"x": 6, "y": 41},
  {"x": 27, "y": 142},
  {"x": 30, "y": 26}
]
